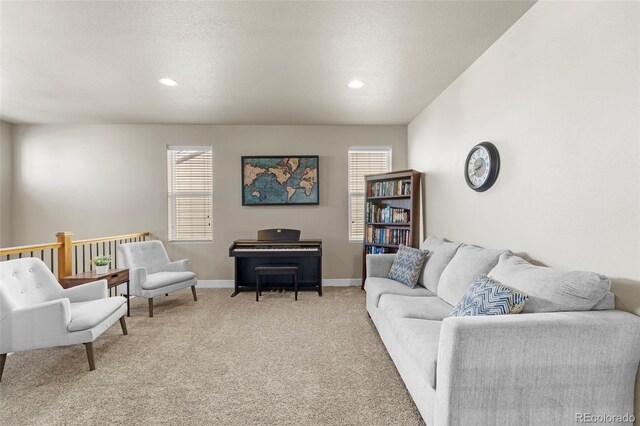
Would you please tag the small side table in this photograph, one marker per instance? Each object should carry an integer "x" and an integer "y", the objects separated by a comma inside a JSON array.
[{"x": 114, "y": 277}]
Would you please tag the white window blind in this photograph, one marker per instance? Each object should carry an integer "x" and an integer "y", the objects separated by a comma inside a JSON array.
[
  {"x": 190, "y": 192},
  {"x": 363, "y": 161}
]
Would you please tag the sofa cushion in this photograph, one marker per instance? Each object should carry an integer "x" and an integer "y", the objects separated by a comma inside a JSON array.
[
  {"x": 551, "y": 290},
  {"x": 466, "y": 265},
  {"x": 440, "y": 254},
  {"x": 163, "y": 279},
  {"x": 489, "y": 297},
  {"x": 420, "y": 338},
  {"x": 395, "y": 307},
  {"x": 607, "y": 303},
  {"x": 407, "y": 265},
  {"x": 376, "y": 287},
  {"x": 85, "y": 315}
]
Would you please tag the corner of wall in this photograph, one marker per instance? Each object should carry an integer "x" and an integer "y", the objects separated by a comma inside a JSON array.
[{"x": 6, "y": 183}]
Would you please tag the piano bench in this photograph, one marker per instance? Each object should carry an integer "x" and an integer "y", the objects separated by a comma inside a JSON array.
[{"x": 276, "y": 270}]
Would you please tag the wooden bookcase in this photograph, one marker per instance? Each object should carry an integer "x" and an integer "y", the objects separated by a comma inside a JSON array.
[{"x": 391, "y": 213}]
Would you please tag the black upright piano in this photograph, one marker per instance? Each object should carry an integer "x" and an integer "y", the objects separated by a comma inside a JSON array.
[{"x": 277, "y": 247}]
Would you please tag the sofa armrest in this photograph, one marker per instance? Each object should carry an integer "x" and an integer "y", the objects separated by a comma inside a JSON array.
[
  {"x": 55, "y": 312},
  {"x": 85, "y": 292},
  {"x": 137, "y": 277},
  {"x": 177, "y": 266},
  {"x": 37, "y": 326},
  {"x": 379, "y": 265},
  {"x": 505, "y": 369}
]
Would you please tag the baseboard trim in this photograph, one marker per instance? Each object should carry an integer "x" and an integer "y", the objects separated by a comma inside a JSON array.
[
  {"x": 215, "y": 284},
  {"x": 336, "y": 282},
  {"x": 342, "y": 282}
]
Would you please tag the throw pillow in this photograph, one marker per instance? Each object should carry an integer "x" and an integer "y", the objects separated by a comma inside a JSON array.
[
  {"x": 549, "y": 289},
  {"x": 440, "y": 254},
  {"x": 468, "y": 262},
  {"x": 489, "y": 297},
  {"x": 407, "y": 265}
]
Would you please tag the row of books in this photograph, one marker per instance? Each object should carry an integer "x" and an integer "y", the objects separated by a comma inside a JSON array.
[
  {"x": 378, "y": 250},
  {"x": 387, "y": 236},
  {"x": 388, "y": 214},
  {"x": 389, "y": 188}
]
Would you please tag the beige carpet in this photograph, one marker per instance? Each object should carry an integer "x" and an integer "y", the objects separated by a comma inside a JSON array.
[{"x": 221, "y": 360}]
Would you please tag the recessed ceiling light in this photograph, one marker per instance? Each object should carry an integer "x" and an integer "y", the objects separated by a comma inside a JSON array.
[
  {"x": 168, "y": 82},
  {"x": 356, "y": 84}
]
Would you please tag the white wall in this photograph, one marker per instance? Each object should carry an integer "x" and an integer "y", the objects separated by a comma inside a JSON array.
[
  {"x": 99, "y": 180},
  {"x": 6, "y": 184},
  {"x": 559, "y": 95}
]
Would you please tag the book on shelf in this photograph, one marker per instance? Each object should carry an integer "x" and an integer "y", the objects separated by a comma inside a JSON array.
[
  {"x": 389, "y": 188},
  {"x": 378, "y": 250},
  {"x": 388, "y": 214},
  {"x": 387, "y": 236}
]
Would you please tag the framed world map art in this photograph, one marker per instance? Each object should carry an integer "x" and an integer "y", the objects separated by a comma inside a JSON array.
[{"x": 280, "y": 180}]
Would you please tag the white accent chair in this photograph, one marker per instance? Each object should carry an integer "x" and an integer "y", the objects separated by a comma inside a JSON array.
[
  {"x": 36, "y": 312},
  {"x": 151, "y": 273}
]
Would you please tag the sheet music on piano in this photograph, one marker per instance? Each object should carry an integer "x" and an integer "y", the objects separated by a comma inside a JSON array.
[{"x": 277, "y": 247}]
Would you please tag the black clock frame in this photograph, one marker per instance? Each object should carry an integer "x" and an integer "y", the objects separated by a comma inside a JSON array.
[{"x": 494, "y": 157}]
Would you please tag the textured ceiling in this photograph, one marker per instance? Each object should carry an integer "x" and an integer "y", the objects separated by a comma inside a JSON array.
[{"x": 238, "y": 62}]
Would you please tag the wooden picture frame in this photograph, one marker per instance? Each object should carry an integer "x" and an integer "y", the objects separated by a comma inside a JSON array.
[{"x": 280, "y": 180}]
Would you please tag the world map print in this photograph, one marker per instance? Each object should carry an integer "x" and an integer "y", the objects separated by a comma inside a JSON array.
[{"x": 280, "y": 180}]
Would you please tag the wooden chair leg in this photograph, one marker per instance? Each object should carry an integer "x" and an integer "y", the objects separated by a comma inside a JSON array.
[
  {"x": 123, "y": 324},
  {"x": 151, "y": 307},
  {"x": 193, "y": 290},
  {"x": 3, "y": 359},
  {"x": 90, "y": 357}
]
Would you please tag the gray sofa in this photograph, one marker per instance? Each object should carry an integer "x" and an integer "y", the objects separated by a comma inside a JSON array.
[{"x": 568, "y": 353}]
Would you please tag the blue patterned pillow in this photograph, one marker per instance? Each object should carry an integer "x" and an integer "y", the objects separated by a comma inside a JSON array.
[
  {"x": 407, "y": 265},
  {"x": 489, "y": 297}
]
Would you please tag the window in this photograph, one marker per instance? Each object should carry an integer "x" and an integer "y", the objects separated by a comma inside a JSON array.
[
  {"x": 190, "y": 193},
  {"x": 363, "y": 161}
]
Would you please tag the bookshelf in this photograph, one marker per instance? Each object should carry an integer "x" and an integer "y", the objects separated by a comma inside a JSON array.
[{"x": 391, "y": 213}]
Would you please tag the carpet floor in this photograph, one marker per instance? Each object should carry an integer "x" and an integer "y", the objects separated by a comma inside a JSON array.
[{"x": 221, "y": 360}]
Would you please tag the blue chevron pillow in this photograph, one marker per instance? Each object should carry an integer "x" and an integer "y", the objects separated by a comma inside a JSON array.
[
  {"x": 407, "y": 265},
  {"x": 489, "y": 297}
]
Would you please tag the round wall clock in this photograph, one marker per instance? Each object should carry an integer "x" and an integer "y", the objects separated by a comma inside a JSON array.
[{"x": 482, "y": 166}]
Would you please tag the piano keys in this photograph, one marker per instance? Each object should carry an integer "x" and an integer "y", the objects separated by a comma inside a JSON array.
[
  {"x": 306, "y": 254},
  {"x": 275, "y": 249}
]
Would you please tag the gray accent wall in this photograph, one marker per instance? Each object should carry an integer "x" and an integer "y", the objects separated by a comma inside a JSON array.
[{"x": 99, "y": 180}]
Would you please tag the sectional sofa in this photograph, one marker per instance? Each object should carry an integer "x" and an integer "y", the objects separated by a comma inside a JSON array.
[{"x": 568, "y": 354}]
